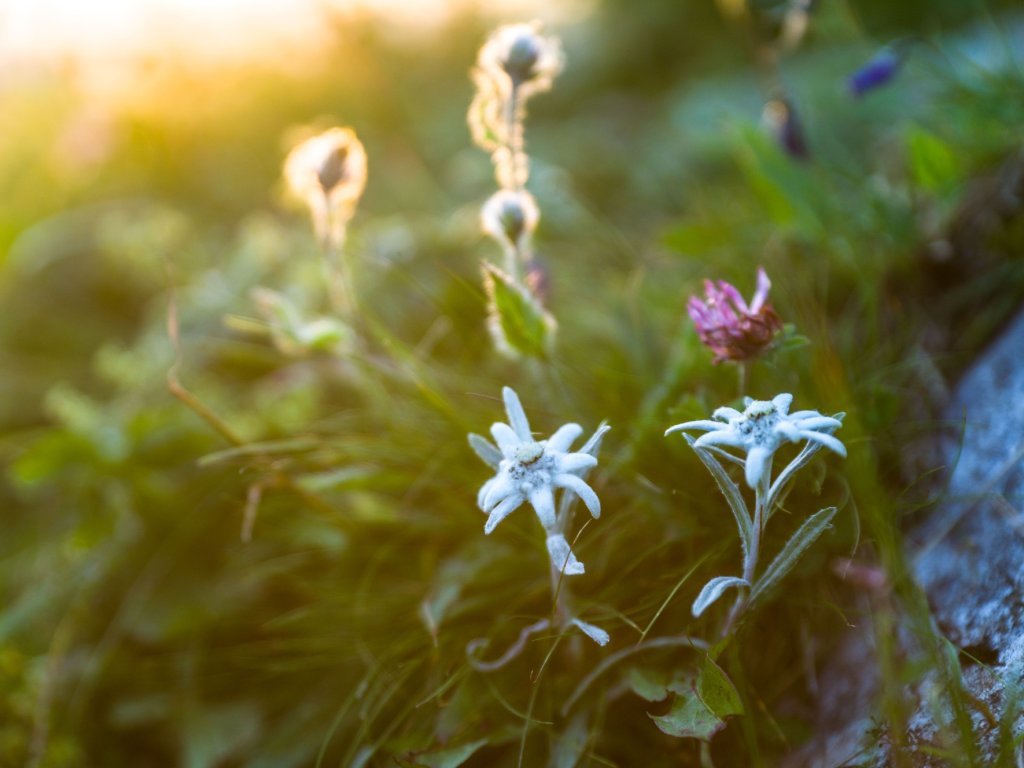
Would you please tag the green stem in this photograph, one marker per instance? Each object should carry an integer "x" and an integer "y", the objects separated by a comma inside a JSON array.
[{"x": 751, "y": 557}]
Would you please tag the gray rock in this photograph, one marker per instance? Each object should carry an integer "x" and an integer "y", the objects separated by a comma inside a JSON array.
[{"x": 968, "y": 556}]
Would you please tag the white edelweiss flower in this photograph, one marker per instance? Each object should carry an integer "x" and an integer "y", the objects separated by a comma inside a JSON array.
[
  {"x": 761, "y": 428},
  {"x": 531, "y": 470}
]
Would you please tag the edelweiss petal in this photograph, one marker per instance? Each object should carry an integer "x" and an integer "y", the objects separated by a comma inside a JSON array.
[
  {"x": 503, "y": 510},
  {"x": 581, "y": 489}
]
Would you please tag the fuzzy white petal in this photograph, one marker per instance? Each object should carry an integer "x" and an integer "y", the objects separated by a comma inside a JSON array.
[
  {"x": 575, "y": 462},
  {"x": 757, "y": 464},
  {"x": 725, "y": 413},
  {"x": 506, "y": 439},
  {"x": 581, "y": 489},
  {"x": 543, "y": 501},
  {"x": 564, "y": 437},
  {"x": 482, "y": 493},
  {"x": 725, "y": 437},
  {"x": 503, "y": 510},
  {"x": 825, "y": 439},
  {"x": 788, "y": 430},
  {"x": 596, "y": 634},
  {"x": 782, "y": 402},
  {"x": 501, "y": 487},
  {"x": 516, "y": 415},
  {"x": 562, "y": 557},
  {"x": 706, "y": 424},
  {"x": 817, "y": 422},
  {"x": 800, "y": 415}
]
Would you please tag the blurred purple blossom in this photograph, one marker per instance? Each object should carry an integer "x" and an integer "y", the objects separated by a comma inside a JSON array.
[
  {"x": 782, "y": 120},
  {"x": 728, "y": 326},
  {"x": 882, "y": 68}
]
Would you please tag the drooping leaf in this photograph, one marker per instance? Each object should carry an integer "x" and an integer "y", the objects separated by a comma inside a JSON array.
[
  {"x": 654, "y": 684},
  {"x": 701, "y": 711},
  {"x": 596, "y": 634},
  {"x": 713, "y": 590},
  {"x": 518, "y": 323},
  {"x": 568, "y": 747},
  {"x": 783, "y": 563},
  {"x": 732, "y": 495}
]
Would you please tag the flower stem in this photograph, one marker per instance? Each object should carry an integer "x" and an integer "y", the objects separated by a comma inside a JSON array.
[
  {"x": 337, "y": 275},
  {"x": 513, "y": 137},
  {"x": 750, "y": 560}
]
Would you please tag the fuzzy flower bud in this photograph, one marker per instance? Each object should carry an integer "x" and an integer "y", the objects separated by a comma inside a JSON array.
[
  {"x": 510, "y": 217},
  {"x": 519, "y": 55},
  {"x": 730, "y": 328},
  {"x": 328, "y": 173},
  {"x": 781, "y": 119}
]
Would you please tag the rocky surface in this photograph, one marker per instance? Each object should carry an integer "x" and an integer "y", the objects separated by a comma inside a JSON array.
[{"x": 968, "y": 556}]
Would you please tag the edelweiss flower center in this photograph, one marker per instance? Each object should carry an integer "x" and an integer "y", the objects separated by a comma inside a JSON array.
[
  {"x": 532, "y": 474},
  {"x": 758, "y": 422},
  {"x": 527, "y": 453}
]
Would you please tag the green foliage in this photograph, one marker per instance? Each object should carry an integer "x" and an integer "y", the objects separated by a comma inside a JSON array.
[
  {"x": 701, "y": 704},
  {"x": 518, "y": 323}
]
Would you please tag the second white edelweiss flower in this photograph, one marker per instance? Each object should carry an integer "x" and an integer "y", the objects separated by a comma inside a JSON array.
[
  {"x": 531, "y": 470},
  {"x": 761, "y": 429}
]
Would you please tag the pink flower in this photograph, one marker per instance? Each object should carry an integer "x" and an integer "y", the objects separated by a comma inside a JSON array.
[{"x": 730, "y": 328}]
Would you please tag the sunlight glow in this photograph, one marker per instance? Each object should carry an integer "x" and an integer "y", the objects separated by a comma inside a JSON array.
[{"x": 105, "y": 30}]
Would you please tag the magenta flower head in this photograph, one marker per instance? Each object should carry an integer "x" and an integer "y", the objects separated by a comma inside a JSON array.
[{"x": 728, "y": 326}]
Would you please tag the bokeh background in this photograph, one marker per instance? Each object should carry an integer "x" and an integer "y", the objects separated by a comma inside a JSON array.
[{"x": 140, "y": 169}]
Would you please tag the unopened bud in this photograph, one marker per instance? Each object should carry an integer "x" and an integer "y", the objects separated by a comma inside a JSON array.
[
  {"x": 328, "y": 173},
  {"x": 510, "y": 217},
  {"x": 520, "y": 53}
]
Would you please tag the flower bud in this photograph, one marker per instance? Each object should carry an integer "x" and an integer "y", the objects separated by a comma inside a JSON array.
[
  {"x": 520, "y": 55},
  {"x": 510, "y": 217},
  {"x": 328, "y": 173},
  {"x": 782, "y": 120}
]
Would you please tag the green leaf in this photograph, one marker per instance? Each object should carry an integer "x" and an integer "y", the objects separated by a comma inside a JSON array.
[
  {"x": 700, "y": 712},
  {"x": 933, "y": 163},
  {"x": 714, "y": 590},
  {"x": 807, "y": 453},
  {"x": 568, "y": 748},
  {"x": 654, "y": 684},
  {"x": 732, "y": 495},
  {"x": 516, "y": 320},
  {"x": 805, "y": 535},
  {"x": 451, "y": 757}
]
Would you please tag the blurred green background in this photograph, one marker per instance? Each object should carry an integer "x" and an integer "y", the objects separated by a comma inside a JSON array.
[{"x": 137, "y": 628}]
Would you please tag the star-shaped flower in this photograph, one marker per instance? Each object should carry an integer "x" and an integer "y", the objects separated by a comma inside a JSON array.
[
  {"x": 761, "y": 429},
  {"x": 531, "y": 470}
]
